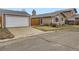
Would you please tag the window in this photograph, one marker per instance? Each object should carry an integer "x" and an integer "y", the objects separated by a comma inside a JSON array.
[
  {"x": 62, "y": 19},
  {"x": 56, "y": 19},
  {"x": 76, "y": 18}
]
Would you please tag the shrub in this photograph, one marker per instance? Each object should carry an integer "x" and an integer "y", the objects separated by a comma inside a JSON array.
[
  {"x": 77, "y": 22},
  {"x": 54, "y": 25},
  {"x": 70, "y": 22},
  {"x": 46, "y": 24}
]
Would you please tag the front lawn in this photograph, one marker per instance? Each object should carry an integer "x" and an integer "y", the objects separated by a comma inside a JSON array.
[
  {"x": 5, "y": 34},
  {"x": 46, "y": 28},
  {"x": 65, "y": 27},
  {"x": 70, "y": 27}
]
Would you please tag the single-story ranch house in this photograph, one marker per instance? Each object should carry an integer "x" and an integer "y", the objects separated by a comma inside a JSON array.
[
  {"x": 9, "y": 18},
  {"x": 58, "y": 17}
]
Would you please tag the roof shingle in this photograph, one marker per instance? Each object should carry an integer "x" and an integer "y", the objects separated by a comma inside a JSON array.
[
  {"x": 3, "y": 11},
  {"x": 54, "y": 13}
]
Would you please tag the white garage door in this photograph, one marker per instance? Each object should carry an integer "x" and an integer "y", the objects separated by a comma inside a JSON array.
[{"x": 16, "y": 21}]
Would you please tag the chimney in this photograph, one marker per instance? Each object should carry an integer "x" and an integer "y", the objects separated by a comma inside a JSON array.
[{"x": 33, "y": 12}]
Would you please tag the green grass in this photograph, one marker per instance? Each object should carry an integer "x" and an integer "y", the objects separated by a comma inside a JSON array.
[
  {"x": 45, "y": 28},
  {"x": 71, "y": 27},
  {"x": 65, "y": 27}
]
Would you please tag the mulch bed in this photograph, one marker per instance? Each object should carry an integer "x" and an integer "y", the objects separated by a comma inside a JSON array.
[{"x": 5, "y": 34}]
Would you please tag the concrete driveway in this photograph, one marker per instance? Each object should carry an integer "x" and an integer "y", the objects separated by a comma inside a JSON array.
[{"x": 24, "y": 31}]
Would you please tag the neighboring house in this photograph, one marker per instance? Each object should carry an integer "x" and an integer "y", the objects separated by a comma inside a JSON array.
[
  {"x": 9, "y": 18},
  {"x": 70, "y": 16},
  {"x": 58, "y": 17},
  {"x": 76, "y": 19}
]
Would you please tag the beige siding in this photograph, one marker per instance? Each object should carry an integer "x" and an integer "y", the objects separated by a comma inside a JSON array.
[
  {"x": 60, "y": 21},
  {"x": 71, "y": 18},
  {"x": 0, "y": 21},
  {"x": 46, "y": 21},
  {"x": 53, "y": 19}
]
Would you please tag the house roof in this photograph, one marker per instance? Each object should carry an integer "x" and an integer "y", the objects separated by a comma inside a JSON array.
[
  {"x": 54, "y": 13},
  {"x": 4, "y": 11}
]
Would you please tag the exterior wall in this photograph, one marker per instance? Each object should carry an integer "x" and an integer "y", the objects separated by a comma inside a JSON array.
[
  {"x": 73, "y": 12},
  {"x": 0, "y": 21},
  {"x": 46, "y": 21},
  {"x": 71, "y": 19},
  {"x": 61, "y": 20},
  {"x": 29, "y": 20},
  {"x": 3, "y": 21}
]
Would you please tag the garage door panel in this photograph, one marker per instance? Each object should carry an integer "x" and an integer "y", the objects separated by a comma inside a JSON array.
[
  {"x": 35, "y": 22},
  {"x": 16, "y": 21}
]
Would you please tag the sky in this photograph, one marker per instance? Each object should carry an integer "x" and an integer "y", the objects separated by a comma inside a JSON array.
[{"x": 39, "y": 10}]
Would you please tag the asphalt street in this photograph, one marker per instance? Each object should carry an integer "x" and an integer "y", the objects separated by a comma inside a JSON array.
[{"x": 53, "y": 41}]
